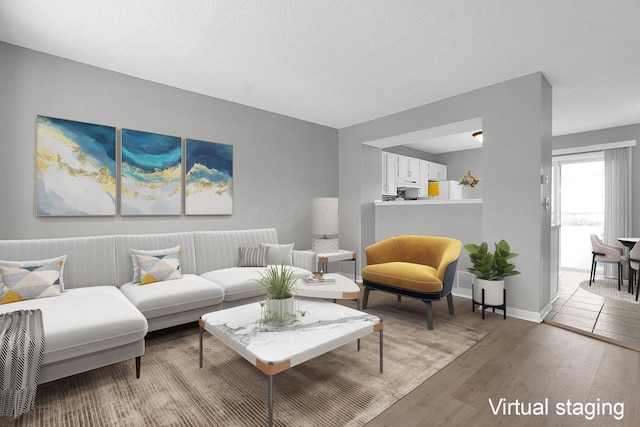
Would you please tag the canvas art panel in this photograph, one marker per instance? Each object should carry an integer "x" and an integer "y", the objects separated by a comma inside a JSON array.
[
  {"x": 151, "y": 174},
  {"x": 75, "y": 168},
  {"x": 209, "y": 178}
]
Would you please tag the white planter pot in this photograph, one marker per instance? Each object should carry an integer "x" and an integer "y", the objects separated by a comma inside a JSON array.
[
  {"x": 280, "y": 312},
  {"x": 493, "y": 291}
]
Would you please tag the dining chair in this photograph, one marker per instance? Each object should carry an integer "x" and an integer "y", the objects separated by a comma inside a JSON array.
[
  {"x": 634, "y": 269},
  {"x": 607, "y": 254}
]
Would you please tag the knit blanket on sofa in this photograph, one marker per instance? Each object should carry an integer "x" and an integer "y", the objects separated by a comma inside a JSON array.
[{"x": 21, "y": 350}]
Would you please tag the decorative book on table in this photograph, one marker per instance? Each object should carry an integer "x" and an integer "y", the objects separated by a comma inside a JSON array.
[{"x": 319, "y": 280}]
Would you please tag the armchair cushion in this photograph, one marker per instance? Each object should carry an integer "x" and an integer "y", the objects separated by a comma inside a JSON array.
[{"x": 417, "y": 277}]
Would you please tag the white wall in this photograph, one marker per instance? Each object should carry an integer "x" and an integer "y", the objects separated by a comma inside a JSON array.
[{"x": 280, "y": 163}]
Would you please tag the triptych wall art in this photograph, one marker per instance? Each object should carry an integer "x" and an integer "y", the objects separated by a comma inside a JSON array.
[{"x": 78, "y": 170}]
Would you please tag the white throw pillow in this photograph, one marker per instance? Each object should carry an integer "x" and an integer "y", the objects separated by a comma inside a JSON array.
[
  {"x": 25, "y": 280},
  {"x": 279, "y": 254},
  {"x": 158, "y": 252},
  {"x": 36, "y": 263}
]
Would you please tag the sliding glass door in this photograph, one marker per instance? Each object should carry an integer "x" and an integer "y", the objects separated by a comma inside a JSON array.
[{"x": 578, "y": 206}]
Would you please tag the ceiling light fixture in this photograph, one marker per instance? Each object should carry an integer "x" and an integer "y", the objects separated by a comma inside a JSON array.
[{"x": 478, "y": 136}]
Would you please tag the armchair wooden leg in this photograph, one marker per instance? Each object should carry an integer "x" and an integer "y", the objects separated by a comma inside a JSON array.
[
  {"x": 429, "y": 315},
  {"x": 450, "y": 303},
  {"x": 592, "y": 276}
]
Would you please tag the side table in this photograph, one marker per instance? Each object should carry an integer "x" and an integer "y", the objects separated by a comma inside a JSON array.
[{"x": 341, "y": 255}]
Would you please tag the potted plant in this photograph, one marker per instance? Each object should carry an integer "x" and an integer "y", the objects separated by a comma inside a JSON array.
[
  {"x": 468, "y": 181},
  {"x": 490, "y": 270},
  {"x": 279, "y": 306}
]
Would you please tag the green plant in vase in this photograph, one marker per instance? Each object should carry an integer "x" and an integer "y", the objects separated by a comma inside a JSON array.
[
  {"x": 490, "y": 269},
  {"x": 280, "y": 306},
  {"x": 491, "y": 266}
]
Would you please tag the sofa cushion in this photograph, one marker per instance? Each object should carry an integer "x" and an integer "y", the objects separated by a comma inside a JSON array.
[
  {"x": 243, "y": 282},
  {"x": 150, "y": 242},
  {"x": 90, "y": 260},
  {"x": 85, "y": 320},
  {"x": 279, "y": 254},
  {"x": 30, "y": 279},
  {"x": 219, "y": 249},
  {"x": 406, "y": 275},
  {"x": 173, "y": 296},
  {"x": 252, "y": 257}
]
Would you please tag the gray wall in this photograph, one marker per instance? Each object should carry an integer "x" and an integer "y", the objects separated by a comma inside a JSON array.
[
  {"x": 460, "y": 221},
  {"x": 516, "y": 118},
  {"x": 280, "y": 163}
]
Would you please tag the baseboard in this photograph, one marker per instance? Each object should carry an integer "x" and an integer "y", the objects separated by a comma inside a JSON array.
[{"x": 530, "y": 316}]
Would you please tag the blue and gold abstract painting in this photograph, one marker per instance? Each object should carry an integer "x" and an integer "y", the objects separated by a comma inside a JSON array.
[
  {"x": 75, "y": 168},
  {"x": 209, "y": 178},
  {"x": 151, "y": 178}
]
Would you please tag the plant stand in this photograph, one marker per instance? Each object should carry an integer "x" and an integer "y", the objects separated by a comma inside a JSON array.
[{"x": 503, "y": 306}]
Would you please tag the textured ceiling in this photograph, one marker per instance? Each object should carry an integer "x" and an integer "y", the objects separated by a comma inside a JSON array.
[{"x": 343, "y": 62}]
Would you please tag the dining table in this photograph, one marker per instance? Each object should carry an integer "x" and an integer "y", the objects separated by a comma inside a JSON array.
[{"x": 629, "y": 242}]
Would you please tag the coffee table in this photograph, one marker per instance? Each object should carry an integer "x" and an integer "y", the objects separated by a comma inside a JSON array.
[
  {"x": 325, "y": 327},
  {"x": 342, "y": 288}
]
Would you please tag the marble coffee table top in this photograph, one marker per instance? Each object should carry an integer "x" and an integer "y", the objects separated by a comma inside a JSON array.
[{"x": 324, "y": 327}]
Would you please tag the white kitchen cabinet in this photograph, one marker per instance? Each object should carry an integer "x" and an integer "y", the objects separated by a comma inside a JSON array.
[
  {"x": 408, "y": 168},
  {"x": 389, "y": 174},
  {"x": 437, "y": 172}
]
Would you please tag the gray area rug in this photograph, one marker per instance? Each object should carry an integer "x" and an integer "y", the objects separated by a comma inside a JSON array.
[
  {"x": 608, "y": 287},
  {"x": 343, "y": 387}
]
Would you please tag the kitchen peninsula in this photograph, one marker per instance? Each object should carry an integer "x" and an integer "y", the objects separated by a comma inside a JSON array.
[{"x": 427, "y": 202}]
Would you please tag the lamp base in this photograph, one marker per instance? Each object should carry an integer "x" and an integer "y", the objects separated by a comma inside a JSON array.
[{"x": 323, "y": 246}]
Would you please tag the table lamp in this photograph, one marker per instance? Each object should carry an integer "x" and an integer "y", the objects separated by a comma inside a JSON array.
[{"x": 324, "y": 224}]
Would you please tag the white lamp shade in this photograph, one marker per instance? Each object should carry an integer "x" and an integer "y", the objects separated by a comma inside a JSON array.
[{"x": 324, "y": 216}]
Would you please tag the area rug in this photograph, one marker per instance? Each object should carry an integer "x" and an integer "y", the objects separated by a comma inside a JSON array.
[
  {"x": 341, "y": 388},
  {"x": 608, "y": 287}
]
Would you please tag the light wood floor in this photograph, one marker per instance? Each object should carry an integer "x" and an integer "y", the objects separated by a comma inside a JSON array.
[
  {"x": 579, "y": 309},
  {"x": 525, "y": 361}
]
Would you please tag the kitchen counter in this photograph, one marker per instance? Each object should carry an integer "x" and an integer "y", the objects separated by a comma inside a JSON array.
[{"x": 427, "y": 202}]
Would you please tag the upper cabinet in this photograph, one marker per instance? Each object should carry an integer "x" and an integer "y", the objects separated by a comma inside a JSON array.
[
  {"x": 437, "y": 172},
  {"x": 389, "y": 174},
  {"x": 396, "y": 167},
  {"x": 408, "y": 168}
]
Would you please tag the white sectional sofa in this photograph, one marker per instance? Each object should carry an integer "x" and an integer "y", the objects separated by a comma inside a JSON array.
[{"x": 102, "y": 317}]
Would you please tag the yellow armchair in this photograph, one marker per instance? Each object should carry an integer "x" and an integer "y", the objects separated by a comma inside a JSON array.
[{"x": 421, "y": 267}]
